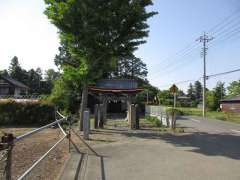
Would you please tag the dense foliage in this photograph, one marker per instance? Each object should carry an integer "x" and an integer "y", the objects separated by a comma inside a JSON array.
[
  {"x": 234, "y": 88},
  {"x": 26, "y": 113},
  {"x": 95, "y": 36},
  {"x": 194, "y": 93}
]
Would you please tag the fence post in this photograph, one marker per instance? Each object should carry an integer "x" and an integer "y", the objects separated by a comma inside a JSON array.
[
  {"x": 69, "y": 133},
  {"x": 7, "y": 143}
]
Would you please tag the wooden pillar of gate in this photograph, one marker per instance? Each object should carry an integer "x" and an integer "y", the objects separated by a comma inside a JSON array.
[
  {"x": 104, "y": 110},
  {"x": 137, "y": 117},
  {"x": 96, "y": 114}
]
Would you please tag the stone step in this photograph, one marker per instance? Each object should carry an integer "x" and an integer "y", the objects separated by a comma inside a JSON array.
[
  {"x": 94, "y": 169},
  {"x": 73, "y": 167}
]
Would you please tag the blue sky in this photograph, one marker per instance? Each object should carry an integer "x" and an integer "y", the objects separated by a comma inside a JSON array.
[{"x": 26, "y": 32}]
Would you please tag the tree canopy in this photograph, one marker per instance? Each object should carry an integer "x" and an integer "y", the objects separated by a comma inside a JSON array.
[
  {"x": 98, "y": 33},
  {"x": 234, "y": 88}
]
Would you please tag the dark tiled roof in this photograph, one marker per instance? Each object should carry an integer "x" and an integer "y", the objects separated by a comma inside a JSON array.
[
  {"x": 117, "y": 84},
  {"x": 235, "y": 98},
  {"x": 114, "y": 90},
  {"x": 14, "y": 82}
]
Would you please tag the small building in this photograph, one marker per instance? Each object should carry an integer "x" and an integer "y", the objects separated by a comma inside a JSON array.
[
  {"x": 116, "y": 93},
  {"x": 12, "y": 87},
  {"x": 231, "y": 104},
  {"x": 116, "y": 96}
]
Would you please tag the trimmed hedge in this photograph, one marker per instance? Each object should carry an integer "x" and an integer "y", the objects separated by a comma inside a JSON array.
[{"x": 26, "y": 113}]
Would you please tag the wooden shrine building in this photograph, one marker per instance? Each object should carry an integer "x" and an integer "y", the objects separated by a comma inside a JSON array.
[{"x": 121, "y": 91}]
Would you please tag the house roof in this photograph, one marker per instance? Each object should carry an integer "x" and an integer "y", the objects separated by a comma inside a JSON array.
[
  {"x": 114, "y": 90},
  {"x": 117, "y": 84},
  {"x": 14, "y": 82},
  {"x": 232, "y": 99}
]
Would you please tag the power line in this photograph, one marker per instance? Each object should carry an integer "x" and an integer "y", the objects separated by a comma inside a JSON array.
[
  {"x": 223, "y": 73},
  {"x": 179, "y": 82},
  {"x": 172, "y": 66},
  {"x": 207, "y": 76},
  {"x": 227, "y": 20},
  {"x": 225, "y": 30}
]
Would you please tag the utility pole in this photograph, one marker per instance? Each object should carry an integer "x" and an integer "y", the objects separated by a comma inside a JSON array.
[{"x": 204, "y": 39}]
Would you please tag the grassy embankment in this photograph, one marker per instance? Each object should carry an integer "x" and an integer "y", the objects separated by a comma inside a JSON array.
[{"x": 232, "y": 117}]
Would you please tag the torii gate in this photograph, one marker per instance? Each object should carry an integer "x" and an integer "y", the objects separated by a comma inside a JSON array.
[{"x": 115, "y": 90}]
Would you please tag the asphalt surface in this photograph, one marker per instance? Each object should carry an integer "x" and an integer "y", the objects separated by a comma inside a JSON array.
[
  {"x": 208, "y": 150},
  {"x": 195, "y": 124}
]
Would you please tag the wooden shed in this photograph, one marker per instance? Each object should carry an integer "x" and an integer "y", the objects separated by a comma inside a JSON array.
[{"x": 231, "y": 104}]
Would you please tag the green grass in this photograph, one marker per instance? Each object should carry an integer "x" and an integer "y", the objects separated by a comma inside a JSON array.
[
  {"x": 233, "y": 117},
  {"x": 154, "y": 121}
]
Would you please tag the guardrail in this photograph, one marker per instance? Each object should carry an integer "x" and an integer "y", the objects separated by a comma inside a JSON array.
[
  {"x": 159, "y": 112},
  {"x": 8, "y": 141},
  {"x": 52, "y": 148}
]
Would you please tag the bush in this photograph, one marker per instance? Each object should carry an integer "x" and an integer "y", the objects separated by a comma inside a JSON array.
[
  {"x": 26, "y": 113},
  {"x": 178, "y": 111},
  {"x": 154, "y": 120}
]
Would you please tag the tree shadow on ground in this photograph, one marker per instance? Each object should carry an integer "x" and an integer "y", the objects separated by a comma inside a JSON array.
[{"x": 221, "y": 144}]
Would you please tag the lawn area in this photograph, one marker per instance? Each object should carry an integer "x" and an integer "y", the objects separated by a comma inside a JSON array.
[{"x": 232, "y": 117}]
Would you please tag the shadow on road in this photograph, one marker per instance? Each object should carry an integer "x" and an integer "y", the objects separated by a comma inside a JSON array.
[
  {"x": 208, "y": 144},
  {"x": 221, "y": 144}
]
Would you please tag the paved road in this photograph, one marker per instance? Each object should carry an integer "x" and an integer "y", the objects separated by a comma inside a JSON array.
[
  {"x": 194, "y": 124},
  {"x": 210, "y": 150}
]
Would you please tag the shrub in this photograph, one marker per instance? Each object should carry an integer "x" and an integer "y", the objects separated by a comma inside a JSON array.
[
  {"x": 154, "y": 120},
  {"x": 26, "y": 113},
  {"x": 175, "y": 110}
]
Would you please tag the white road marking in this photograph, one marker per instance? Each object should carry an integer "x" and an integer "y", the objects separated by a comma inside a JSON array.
[
  {"x": 195, "y": 120},
  {"x": 235, "y": 131}
]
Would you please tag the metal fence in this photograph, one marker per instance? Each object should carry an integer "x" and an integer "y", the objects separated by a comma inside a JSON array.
[
  {"x": 6, "y": 153},
  {"x": 160, "y": 112},
  {"x": 19, "y": 138}
]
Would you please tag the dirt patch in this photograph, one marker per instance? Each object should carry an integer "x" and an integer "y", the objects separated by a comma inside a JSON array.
[{"x": 30, "y": 149}]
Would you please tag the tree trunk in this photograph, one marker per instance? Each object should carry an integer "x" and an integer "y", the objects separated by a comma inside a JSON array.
[{"x": 83, "y": 105}]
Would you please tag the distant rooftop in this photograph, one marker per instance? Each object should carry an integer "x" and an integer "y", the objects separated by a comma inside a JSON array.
[
  {"x": 14, "y": 82},
  {"x": 232, "y": 99}
]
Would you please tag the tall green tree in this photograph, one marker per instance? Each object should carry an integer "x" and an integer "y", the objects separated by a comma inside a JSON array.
[
  {"x": 190, "y": 92},
  {"x": 213, "y": 97},
  {"x": 16, "y": 72},
  {"x": 4, "y": 72},
  {"x": 95, "y": 34},
  {"x": 198, "y": 91},
  {"x": 165, "y": 97},
  {"x": 131, "y": 67},
  {"x": 219, "y": 93},
  {"x": 234, "y": 88},
  {"x": 34, "y": 82}
]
